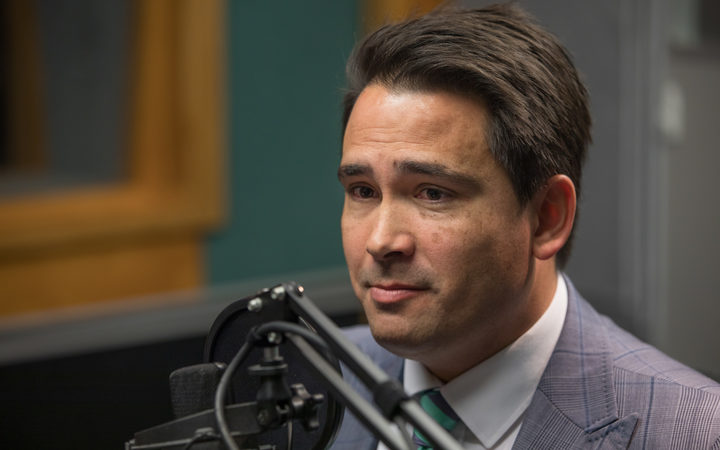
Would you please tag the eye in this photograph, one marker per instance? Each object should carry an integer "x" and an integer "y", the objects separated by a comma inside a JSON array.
[
  {"x": 362, "y": 192},
  {"x": 433, "y": 194}
]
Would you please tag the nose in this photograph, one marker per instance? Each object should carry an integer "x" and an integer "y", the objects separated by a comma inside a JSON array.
[{"x": 390, "y": 237}]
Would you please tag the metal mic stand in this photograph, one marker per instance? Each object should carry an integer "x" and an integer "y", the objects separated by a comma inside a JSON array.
[
  {"x": 277, "y": 404},
  {"x": 388, "y": 394}
]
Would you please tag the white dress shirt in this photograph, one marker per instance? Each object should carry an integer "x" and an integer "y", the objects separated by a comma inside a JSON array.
[{"x": 492, "y": 397}]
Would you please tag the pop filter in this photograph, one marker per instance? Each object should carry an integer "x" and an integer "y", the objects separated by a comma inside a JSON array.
[
  {"x": 260, "y": 386},
  {"x": 229, "y": 332}
]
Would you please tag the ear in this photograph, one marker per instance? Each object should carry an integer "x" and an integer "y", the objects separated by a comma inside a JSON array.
[{"x": 555, "y": 206}]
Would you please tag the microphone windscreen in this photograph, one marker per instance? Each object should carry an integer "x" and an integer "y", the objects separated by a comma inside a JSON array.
[
  {"x": 192, "y": 388},
  {"x": 225, "y": 338}
]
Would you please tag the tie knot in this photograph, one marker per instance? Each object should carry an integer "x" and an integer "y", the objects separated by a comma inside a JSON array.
[{"x": 438, "y": 408}]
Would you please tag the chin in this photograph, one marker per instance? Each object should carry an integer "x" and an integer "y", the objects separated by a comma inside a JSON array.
[{"x": 398, "y": 338}]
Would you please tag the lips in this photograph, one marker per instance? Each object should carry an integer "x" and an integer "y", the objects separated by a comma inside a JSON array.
[{"x": 392, "y": 293}]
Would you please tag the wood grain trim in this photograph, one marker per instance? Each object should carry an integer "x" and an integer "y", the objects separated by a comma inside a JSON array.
[
  {"x": 177, "y": 142},
  {"x": 380, "y": 12},
  {"x": 23, "y": 84},
  {"x": 100, "y": 271}
]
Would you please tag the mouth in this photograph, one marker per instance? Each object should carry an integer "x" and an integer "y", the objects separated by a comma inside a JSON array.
[{"x": 394, "y": 292}]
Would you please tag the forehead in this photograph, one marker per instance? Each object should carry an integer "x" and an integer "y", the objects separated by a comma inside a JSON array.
[{"x": 433, "y": 126}]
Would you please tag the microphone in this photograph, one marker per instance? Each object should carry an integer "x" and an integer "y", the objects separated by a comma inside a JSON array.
[
  {"x": 232, "y": 327},
  {"x": 219, "y": 409},
  {"x": 269, "y": 390},
  {"x": 192, "y": 388}
]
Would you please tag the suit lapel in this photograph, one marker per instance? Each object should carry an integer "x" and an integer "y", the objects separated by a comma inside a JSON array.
[{"x": 574, "y": 404}]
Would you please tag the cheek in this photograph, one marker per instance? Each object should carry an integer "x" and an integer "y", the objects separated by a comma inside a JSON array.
[
  {"x": 449, "y": 246},
  {"x": 467, "y": 246},
  {"x": 352, "y": 240}
]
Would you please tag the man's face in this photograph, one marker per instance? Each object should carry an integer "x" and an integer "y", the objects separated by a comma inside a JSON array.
[{"x": 437, "y": 246}]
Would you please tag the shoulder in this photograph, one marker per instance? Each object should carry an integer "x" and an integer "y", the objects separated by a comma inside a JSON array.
[
  {"x": 352, "y": 434},
  {"x": 628, "y": 354},
  {"x": 676, "y": 406},
  {"x": 675, "y": 403},
  {"x": 358, "y": 333},
  {"x": 633, "y": 356}
]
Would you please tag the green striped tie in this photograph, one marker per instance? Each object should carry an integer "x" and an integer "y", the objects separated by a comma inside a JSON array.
[{"x": 436, "y": 407}]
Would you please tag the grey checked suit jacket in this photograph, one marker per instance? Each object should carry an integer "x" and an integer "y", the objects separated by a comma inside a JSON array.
[{"x": 602, "y": 389}]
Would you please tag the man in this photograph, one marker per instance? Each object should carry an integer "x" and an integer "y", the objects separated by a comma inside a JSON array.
[{"x": 465, "y": 133}]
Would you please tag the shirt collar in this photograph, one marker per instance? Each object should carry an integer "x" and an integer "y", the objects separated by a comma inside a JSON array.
[{"x": 490, "y": 397}]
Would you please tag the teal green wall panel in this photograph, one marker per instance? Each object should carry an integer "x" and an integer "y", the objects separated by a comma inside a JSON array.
[{"x": 286, "y": 74}]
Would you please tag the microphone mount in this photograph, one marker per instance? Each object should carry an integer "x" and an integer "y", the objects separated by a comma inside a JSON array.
[
  {"x": 281, "y": 310},
  {"x": 277, "y": 401}
]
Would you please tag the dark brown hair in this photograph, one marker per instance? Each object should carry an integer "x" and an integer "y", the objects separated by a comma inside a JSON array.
[{"x": 540, "y": 122}]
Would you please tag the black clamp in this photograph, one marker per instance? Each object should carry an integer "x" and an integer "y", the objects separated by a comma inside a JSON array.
[{"x": 388, "y": 395}]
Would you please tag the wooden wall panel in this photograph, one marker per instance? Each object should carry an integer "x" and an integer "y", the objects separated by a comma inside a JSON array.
[
  {"x": 145, "y": 234},
  {"x": 22, "y": 91},
  {"x": 380, "y": 12},
  {"x": 102, "y": 271}
]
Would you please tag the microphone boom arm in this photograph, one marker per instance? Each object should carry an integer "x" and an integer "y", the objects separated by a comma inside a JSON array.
[
  {"x": 388, "y": 394},
  {"x": 278, "y": 309}
]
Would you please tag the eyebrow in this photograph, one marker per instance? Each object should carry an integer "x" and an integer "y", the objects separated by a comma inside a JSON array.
[
  {"x": 436, "y": 170},
  {"x": 413, "y": 168},
  {"x": 353, "y": 170}
]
